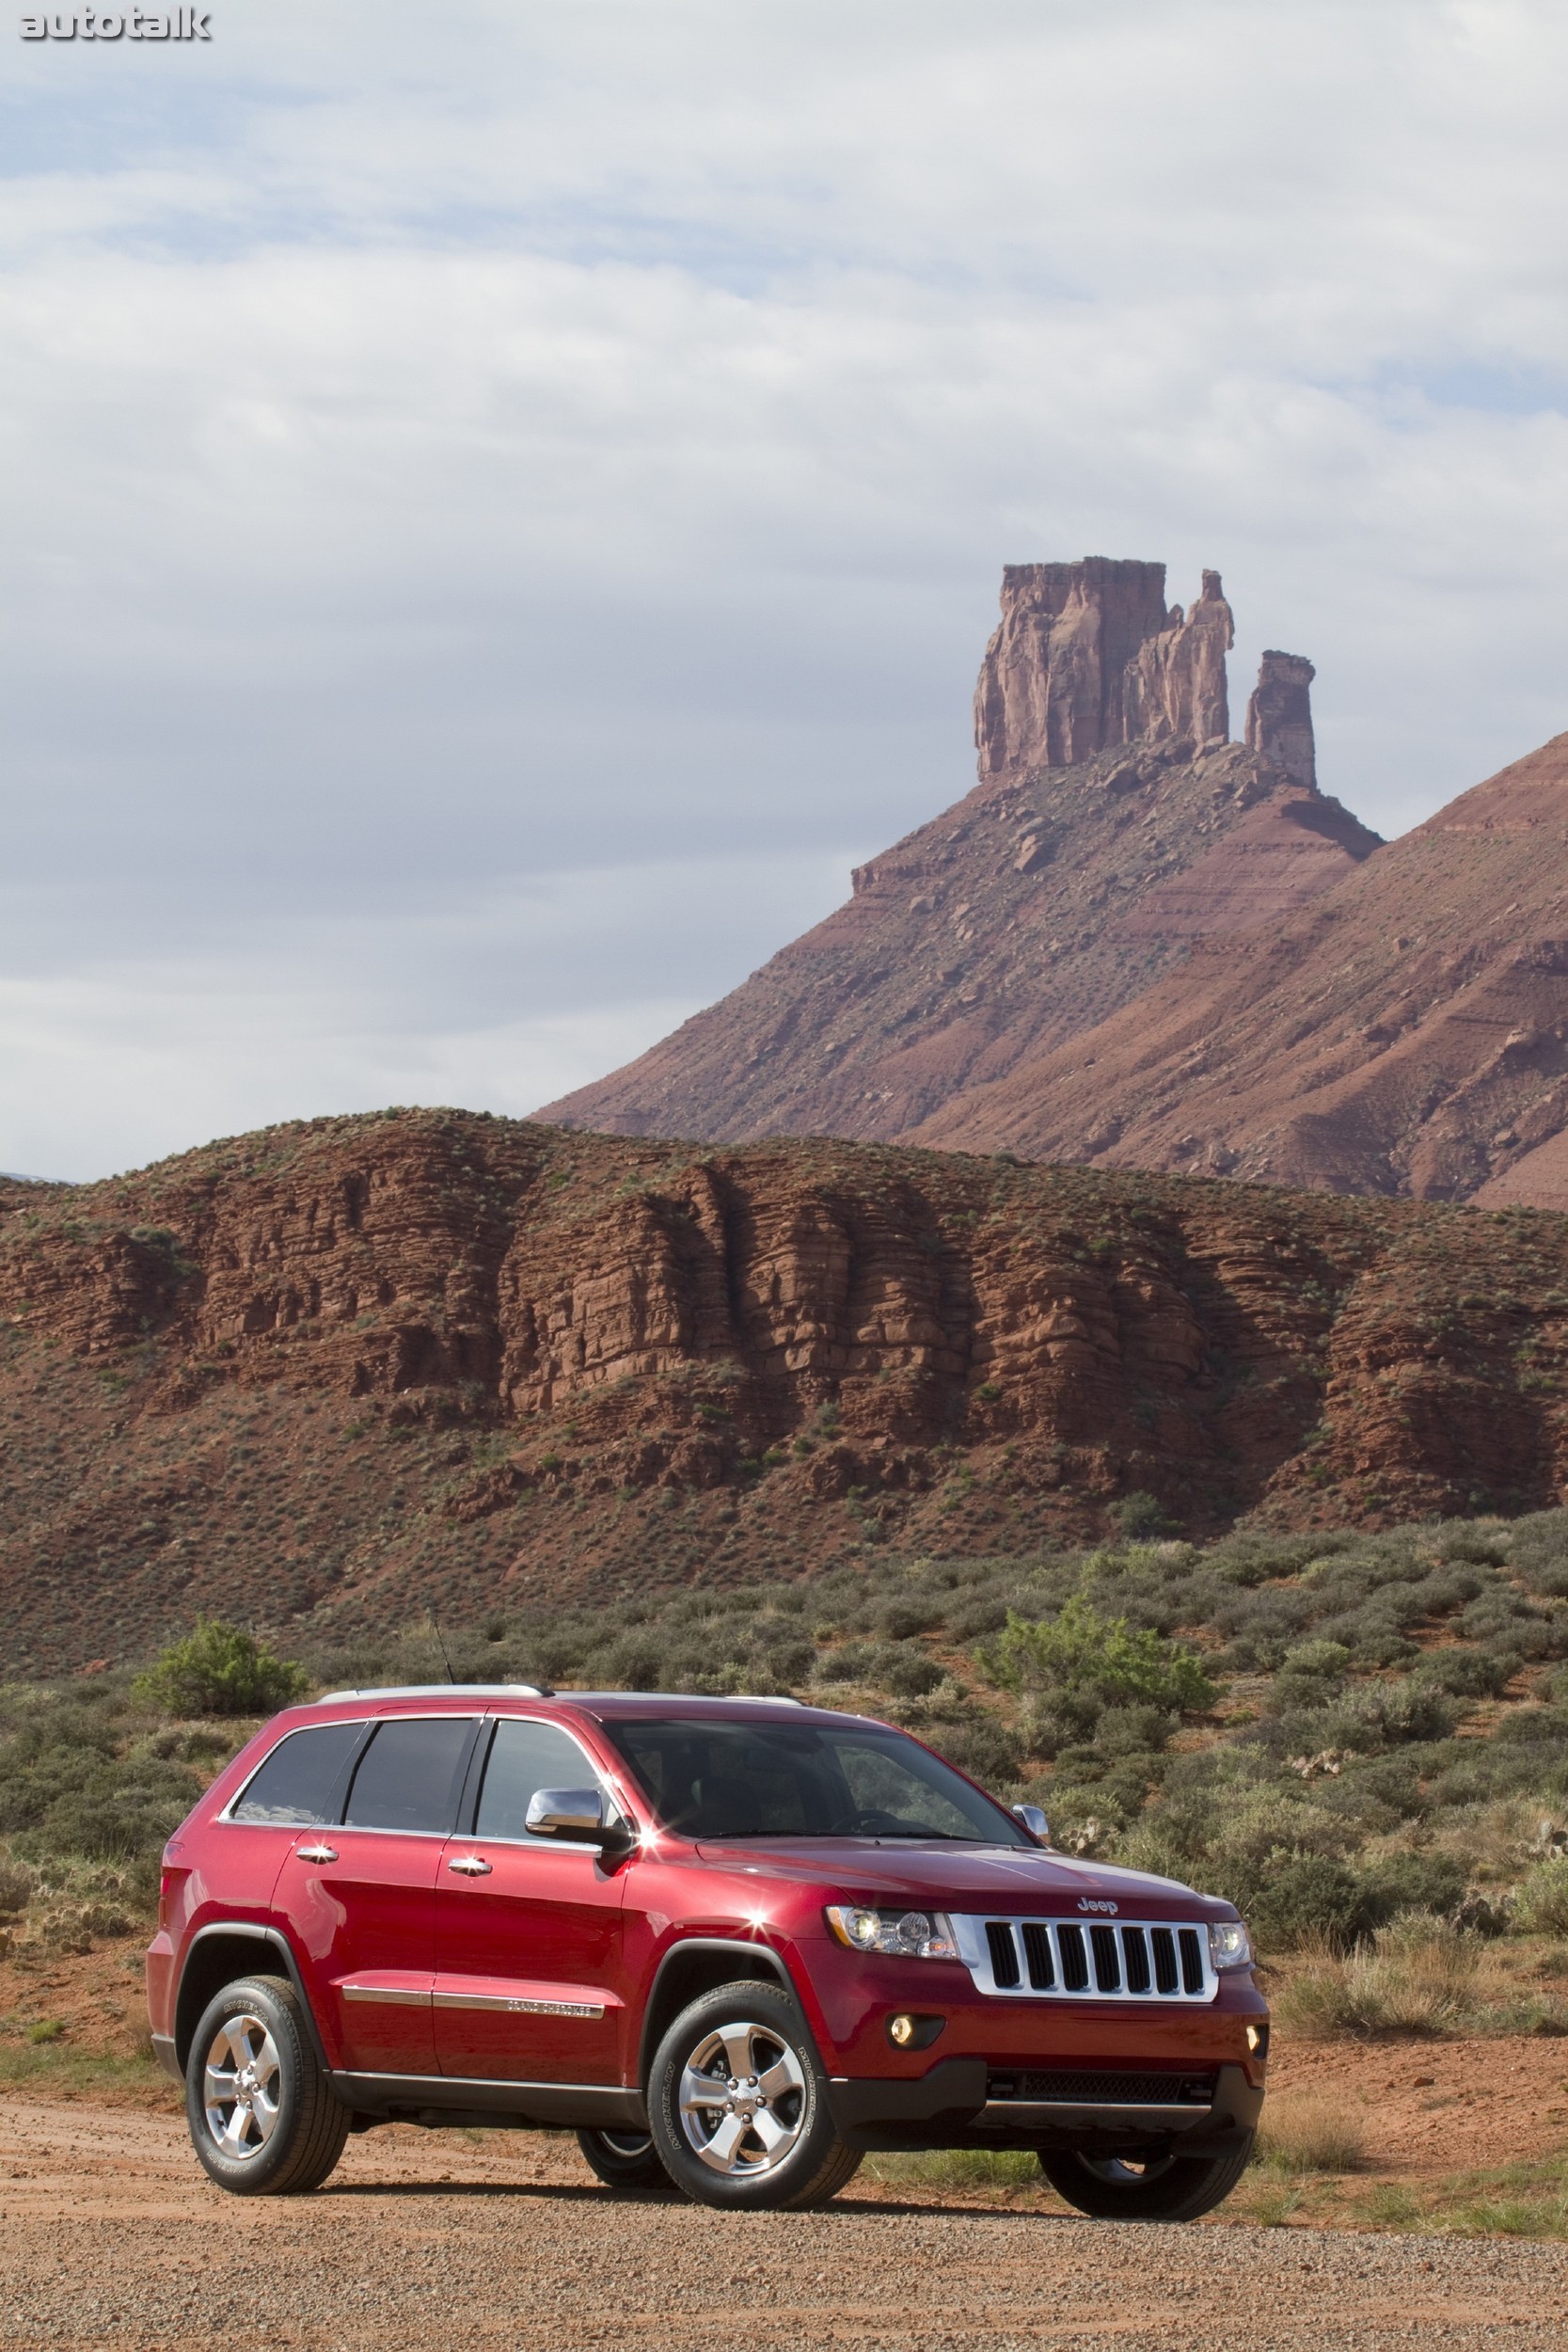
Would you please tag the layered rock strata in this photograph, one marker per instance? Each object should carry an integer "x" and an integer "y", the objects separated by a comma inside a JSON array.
[
  {"x": 346, "y": 1371},
  {"x": 1406, "y": 1032}
]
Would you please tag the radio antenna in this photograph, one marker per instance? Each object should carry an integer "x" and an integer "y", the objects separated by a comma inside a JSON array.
[{"x": 440, "y": 1645}]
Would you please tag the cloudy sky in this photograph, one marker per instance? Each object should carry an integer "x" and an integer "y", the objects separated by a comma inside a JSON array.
[{"x": 503, "y": 502}]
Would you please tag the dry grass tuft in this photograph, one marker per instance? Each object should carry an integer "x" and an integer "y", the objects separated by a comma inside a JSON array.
[
  {"x": 1312, "y": 2131},
  {"x": 1417, "y": 1976}
]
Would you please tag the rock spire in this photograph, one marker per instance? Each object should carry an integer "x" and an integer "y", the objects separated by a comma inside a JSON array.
[{"x": 1280, "y": 716}]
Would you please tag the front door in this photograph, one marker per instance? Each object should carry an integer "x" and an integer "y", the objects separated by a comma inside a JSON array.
[
  {"x": 360, "y": 1894},
  {"x": 527, "y": 1933}
]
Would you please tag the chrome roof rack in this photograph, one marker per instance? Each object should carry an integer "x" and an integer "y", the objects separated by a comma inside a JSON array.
[{"x": 439, "y": 1690}]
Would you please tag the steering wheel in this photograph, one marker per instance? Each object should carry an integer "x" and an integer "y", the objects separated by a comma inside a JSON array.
[{"x": 871, "y": 1823}]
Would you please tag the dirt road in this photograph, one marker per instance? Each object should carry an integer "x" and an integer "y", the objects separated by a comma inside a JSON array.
[{"x": 109, "y": 2236}]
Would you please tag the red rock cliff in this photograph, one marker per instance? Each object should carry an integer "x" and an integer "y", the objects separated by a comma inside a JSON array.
[{"x": 357, "y": 1368}]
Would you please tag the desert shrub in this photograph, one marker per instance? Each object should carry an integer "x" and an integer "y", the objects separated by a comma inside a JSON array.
[
  {"x": 1141, "y": 1514},
  {"x": 17, "y": 1887},
  {"x": 1407, "y": 1882},
  {"x": 221, "y": 1669},
  {"x": 1535, "y": 1536},
  {"x": 1063, "y": 1721},
  {"x": 852, "y": 1663},
  {"x": 1081, "y": 1651},
  {"x": 1312, "y": 2131},
  {"x": 900, "y": 1619},
  {"x": 978, "y": 1745},
  {"x": 1541, "y": 1901},
  {"x": 1134, "y": 1731},
  {"x": 1466, "y": 1673},
  {"x": 1310, "y": 1676},
  {"x": 1296, "y": 1898}
]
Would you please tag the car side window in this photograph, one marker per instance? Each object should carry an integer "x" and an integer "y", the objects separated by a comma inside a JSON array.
[
  {"x": 524, "y": 1756},
  {"x": 407, "y": 1778},
  {"x": 295, "y": 1785}
]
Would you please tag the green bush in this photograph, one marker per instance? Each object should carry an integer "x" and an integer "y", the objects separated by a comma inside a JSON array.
[
  {"x": 221, "y": 1670},
  {"x": 1406, "y": 1882},
  {"x": 1541, "y": 1905},
  {"x": 1142, "y": 1515},
  {"x": 1302, "y": 1897},
  {"x": 1081, "y": 1651}
]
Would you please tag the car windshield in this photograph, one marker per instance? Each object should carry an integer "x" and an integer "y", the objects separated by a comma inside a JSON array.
[{"x": 711, "y": 1779}]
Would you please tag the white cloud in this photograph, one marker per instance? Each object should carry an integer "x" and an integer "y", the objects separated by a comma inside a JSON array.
[{"x": 448, "y": 453}]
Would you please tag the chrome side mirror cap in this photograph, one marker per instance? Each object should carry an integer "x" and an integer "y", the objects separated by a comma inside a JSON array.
[
  {"x": 1034, "y": 1821},
  {"x": 579, "y": 1813}
]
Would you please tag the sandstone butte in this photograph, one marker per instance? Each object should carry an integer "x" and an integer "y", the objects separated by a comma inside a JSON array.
[
  {"x": 1114, "y": 824},
  {"x": 1138, "y": 944},
  {"x": 341, "y": 1372}
]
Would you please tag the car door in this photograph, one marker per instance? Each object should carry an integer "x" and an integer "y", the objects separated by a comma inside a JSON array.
[
  {"x": 528, "y": 1928},
  {"x": 359, "y": 1894}
]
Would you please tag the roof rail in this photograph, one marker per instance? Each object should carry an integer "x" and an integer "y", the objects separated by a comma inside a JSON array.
[{"x": 439, "y": 1690}]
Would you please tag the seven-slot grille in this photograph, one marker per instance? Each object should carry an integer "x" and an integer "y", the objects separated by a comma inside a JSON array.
[{"x": 1096, "y": 1960}]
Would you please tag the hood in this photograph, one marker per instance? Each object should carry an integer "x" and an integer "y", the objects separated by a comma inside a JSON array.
[{"x": 941, "y": 1877}]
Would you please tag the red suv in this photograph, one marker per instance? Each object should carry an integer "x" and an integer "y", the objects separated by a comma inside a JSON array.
[{"x": 732, "y": 1943}]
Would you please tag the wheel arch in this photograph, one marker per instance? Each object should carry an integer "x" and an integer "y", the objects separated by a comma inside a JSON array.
[
  {"x": 696, "y": 1965},
  {"x": 216, "y": 1956}
]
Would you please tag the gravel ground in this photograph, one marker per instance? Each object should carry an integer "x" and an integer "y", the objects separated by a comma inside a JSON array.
[{"x": 110, "y": 2234}]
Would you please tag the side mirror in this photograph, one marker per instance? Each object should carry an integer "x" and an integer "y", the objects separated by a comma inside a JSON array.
[
  {"x": 580, "y": 1814},
  {"x": 1034, "y": 1821}
]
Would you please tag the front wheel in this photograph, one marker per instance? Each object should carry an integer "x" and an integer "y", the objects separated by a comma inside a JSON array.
[
  {"x": 1153, "y": 2188},
  {"x": 264, "y": 2117},
  {"x": 737, "y": 2103},
  {"x": 625, "y": 2160}
]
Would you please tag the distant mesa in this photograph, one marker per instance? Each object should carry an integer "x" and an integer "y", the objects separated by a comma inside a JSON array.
[
  {"x": 1137, "y": 944},
  {"x": 1114, "y": 824}
]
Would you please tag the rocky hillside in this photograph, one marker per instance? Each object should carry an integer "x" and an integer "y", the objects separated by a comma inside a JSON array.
[
  {"x": 1114, "y": 824},
  {"x": 344, "y": 1371},
  {"x": 1407, "y": 1033}
]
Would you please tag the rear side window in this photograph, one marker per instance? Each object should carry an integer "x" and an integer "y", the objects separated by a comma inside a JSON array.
[
  {"x": 407, "y": 1777},
  {"x": 524, "y": 1756},
  {"x": 296, "y": 1784}
]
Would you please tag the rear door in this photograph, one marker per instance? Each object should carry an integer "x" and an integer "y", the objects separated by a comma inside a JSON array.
[
  {"x": 359, "y": 1894},
  {"x": 527, "y": 1937}
]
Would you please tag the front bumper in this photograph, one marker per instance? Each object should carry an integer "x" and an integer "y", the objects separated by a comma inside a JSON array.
[{"x": 965, "y": 2103}]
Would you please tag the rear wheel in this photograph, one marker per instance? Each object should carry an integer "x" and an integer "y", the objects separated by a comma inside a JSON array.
[
  {"x": 1153, "y": 2188},
  {"x": 626, "y": 2160},
  {"x": 264, "y": 2119},
  {"x": 737, "y": 2101}
]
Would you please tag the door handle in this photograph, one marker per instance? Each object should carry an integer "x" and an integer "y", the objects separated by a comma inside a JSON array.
[
  {"x": 317, "y": 1853},
  {"x": 470, "y": 1865}
]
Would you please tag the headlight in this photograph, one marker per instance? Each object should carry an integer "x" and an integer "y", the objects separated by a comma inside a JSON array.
[
  {"x": 1229, "y": 1945},
  {"x": 913, "y": 1935}
]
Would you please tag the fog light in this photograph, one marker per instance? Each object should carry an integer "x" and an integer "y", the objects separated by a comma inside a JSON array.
[
  {"x": 1257, "y": 2041},
  {"x": 913, "y": 2033}
]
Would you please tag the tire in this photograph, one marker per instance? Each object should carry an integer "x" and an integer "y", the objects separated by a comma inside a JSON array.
[
  {"x": 626, "y": 2160},
  {"x": 264, "y": 2119},
  {"x": 784, "y": 2153},
  {"x": 1166, "y": 2189}
]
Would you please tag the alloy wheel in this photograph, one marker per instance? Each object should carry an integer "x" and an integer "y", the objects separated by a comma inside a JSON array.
[
  {"x": 240, "y": 2086},
  {"x": 742, "y": 2100}
]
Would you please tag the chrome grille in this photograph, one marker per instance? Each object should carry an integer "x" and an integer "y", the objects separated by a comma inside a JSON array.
[{"x": 1098, "y": 1960}]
